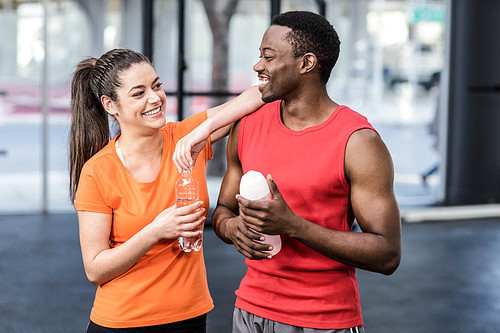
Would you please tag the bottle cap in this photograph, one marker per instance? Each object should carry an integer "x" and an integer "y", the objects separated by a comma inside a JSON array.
[{"x": 253, "y": 186}]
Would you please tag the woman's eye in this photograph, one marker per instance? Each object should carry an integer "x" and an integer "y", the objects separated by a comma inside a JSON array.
[
  {"x": 137, "y": 94},
  {"x": 158, "y": 85}
]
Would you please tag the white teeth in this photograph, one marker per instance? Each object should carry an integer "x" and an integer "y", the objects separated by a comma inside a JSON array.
[
  {"x": 152, "y": 112},
  {"x": 263, "y": 79}
]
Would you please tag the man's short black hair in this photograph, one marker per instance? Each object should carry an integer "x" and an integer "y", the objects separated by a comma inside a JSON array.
[{"x": 311, "y": 33}]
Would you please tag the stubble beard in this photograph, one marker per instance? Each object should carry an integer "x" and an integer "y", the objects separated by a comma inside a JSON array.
[{"x": 270, "y": 95}]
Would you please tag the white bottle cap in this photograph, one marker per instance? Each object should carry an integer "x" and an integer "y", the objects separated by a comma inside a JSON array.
[{"x": 253, "y": 186}]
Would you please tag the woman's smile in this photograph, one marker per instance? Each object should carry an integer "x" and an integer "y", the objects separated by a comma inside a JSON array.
[{"x": 153, "y": 112}]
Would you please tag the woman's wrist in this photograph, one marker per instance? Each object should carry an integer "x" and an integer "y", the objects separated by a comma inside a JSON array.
[{"x": 150, "y": 233}]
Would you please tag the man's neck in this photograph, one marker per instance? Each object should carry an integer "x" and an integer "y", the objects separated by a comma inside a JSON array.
[{"x": 307, "y": 110}]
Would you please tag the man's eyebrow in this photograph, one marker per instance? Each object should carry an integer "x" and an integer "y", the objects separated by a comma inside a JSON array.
[
  {"x": 266, "y": 49},
  {"x": 141, "y": 86}
]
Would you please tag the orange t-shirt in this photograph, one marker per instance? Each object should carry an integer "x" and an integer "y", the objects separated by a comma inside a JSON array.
[{"x": 166, "y": 285}]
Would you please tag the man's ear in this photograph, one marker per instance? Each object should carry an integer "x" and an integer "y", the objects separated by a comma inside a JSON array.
[
  {"x": 109, "y": 105},
  {"x": 309, "y": 62}
]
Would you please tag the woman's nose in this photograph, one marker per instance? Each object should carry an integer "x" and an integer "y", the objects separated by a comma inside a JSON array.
[{"x": 153, "y": 97}]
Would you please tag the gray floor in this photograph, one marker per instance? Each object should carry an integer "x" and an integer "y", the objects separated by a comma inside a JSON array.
[{"x": 448, "y": 281}]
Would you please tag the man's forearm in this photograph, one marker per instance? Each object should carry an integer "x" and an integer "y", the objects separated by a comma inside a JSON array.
[{"x": 220, "y": 222}]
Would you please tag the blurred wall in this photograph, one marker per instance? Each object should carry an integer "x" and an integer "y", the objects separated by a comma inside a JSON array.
[{"x": 473, "y": 164}]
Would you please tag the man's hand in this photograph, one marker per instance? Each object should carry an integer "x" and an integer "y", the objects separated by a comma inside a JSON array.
[
  {"x": 246, "y": 241},
  {"x": 272, "y": 217}
]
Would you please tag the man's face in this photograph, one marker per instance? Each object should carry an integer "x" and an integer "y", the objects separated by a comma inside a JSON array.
[{"x": 277, "y": 69}]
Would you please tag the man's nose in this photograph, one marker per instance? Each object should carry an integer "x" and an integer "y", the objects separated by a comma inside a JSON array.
[{"x": 258, "y": 67}]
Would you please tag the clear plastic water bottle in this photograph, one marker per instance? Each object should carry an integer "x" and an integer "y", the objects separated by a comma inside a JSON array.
[
  {"x": 253, "y": 186},
  {"x": 187, "y": 191}
]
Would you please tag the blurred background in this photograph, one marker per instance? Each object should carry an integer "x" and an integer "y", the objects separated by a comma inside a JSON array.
[
  {"x": 392, "y": 58},
  {"x": 426, "y": 74}
]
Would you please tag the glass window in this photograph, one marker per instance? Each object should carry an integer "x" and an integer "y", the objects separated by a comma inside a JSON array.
[
  {"x": 309, "y": 5},
  {"x": 21, "y": 77},
  {"x": 392, "y": 54},
  {"x": 165, "y": 50},
  {"x": 232, "y": 64},
  {"x": 75, "y": 30},
  {"x": 248, "y": 25}
]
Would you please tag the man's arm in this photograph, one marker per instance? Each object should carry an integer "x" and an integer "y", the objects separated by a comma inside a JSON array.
[
  {"x": 225, "y": 220},
  {"x": 369, "y": 169}
]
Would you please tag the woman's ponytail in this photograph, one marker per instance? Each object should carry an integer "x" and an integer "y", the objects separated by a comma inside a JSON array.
[{"x": 89, "y": 121}]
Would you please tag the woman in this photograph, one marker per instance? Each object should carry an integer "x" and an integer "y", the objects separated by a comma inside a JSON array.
[{"x": 124, "y": 193}]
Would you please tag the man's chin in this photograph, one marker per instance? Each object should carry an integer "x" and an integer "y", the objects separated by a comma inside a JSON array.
[{"x": 269, "y": 98}]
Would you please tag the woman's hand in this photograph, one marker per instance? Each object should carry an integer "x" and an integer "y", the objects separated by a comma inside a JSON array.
[
  {"x": 103, "y": 263},
  {"x": 176, "y": 222},
  {"x": 189, "y": 147}
]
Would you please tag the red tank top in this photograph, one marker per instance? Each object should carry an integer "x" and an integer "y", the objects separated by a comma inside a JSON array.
[{"x": 300, "y": 286}]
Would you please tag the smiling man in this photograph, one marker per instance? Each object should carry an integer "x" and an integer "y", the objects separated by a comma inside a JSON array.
[{"x": 325, "y": 166}]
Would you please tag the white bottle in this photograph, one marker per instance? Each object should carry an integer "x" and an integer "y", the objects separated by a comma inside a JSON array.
[{"x": 253, "y": 186}]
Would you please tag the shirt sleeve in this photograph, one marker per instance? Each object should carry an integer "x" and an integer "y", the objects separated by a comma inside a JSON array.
[
  {"x": 88, "y": 196},
  {"x": 190, "y": 123}
]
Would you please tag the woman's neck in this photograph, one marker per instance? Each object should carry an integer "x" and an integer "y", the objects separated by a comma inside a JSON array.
[
  {"x": 141, "y": 155},
  {"x": 141, "y": 145}
]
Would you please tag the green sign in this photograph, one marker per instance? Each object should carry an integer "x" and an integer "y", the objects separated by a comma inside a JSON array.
[{"x": 429, "y": 14}]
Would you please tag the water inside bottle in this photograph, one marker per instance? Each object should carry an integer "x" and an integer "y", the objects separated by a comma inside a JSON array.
[{"x": 190, "y": 243}]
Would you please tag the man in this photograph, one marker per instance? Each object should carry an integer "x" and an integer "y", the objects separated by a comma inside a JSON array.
[{"x": 325, "y": 166}]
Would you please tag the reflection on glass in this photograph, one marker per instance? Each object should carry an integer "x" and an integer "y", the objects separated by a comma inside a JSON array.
[
  {"x": 75, "y": 30},
  {"x": 392, "y": 54},
  {"x": 391, "y": 57}
]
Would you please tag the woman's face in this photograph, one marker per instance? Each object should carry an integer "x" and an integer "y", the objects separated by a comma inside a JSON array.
[{"x": 141, "y": 99}]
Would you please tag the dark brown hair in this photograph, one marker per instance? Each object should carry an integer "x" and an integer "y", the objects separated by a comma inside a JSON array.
[
  {"x": 92, "y": 79},
  {"x": 311, "y": 33}
]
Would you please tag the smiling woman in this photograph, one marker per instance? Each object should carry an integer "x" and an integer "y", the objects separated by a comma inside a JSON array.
[
  {"x": 141, "y": 103},
  {"x": 123, "y": 191}
]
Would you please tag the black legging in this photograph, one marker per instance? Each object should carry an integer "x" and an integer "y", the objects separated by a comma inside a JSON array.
[{"x": 194, "y": 325}]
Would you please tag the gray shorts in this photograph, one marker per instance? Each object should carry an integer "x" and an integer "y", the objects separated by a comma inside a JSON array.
[{"x": 244, "y": 322}]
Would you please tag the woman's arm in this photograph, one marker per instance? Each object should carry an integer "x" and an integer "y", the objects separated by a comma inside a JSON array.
[
  {"x": 221, "y": 117},
  {"x": 103, "y": 263},
  {"x": 218, "y": 123}
]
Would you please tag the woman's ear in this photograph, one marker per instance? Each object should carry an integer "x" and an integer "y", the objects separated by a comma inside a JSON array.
[
  {"x": 309, "y": 62},
  {"x": 109, "y": 105}
]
